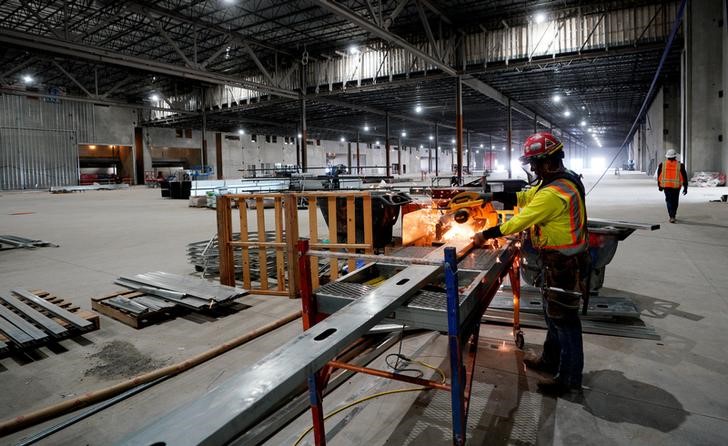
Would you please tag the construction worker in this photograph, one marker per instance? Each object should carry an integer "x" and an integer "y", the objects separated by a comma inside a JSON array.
[
  {"x": 554, "y": 210},
  {"x": 671, "y": 175}
]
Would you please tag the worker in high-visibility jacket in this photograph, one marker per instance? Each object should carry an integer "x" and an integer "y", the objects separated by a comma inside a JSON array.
[
  {"x": 554, "y": 211},
  {"x": 671, "y": 176}
]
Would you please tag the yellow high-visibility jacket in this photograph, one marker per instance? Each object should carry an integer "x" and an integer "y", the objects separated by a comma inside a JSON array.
[{"x": 556, "y": 215}]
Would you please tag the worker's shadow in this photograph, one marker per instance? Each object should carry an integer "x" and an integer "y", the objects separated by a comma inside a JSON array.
[
  {"x": 613, "y": 397},
  {"x": 652, "y": 307},
  {"x": 506, "y": 408}
]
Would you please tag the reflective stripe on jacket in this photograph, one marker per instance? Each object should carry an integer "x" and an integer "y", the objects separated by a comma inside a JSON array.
[
  {"x": 670, "y": 175},
  {"x": 556, "y": 215}
]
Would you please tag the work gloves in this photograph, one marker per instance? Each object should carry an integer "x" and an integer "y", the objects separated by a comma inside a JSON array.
[
  {"x": 487, "y": 197},
  {"x": 685, "y": 191},
  {"x": 480, "y": 238},
  {"x": 660, "y": 188}
]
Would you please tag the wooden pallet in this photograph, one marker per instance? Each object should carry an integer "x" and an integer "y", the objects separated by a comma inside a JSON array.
[
  {"x": 11, "y": 347},
  {"x": 132, "y": 320}
]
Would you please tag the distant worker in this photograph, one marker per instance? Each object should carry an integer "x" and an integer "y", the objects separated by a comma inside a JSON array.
[
  {"x": 555, "y": 211},
  {"x": 671, "y": 176}
]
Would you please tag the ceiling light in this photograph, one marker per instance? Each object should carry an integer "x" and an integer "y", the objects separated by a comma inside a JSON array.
[
  {"x": 418, "y": 109},
  {"x": 452, "y": 140},
  {"x": 439, "y": 148},
  {"x": 582, "y": 123},
  {"x": 504, "y": 148},
  {"x": 27, "y": 78},
  {"x": 556, "y": 98},
  {"x": 492, "y": 147},
  {"x": 421, "y": 146},
  {"x": 366, "y": 128},
  {"x": 591, "y": 130},
  {"x": 540, "y": 17},
  {"x": 481, "y": 146},
  {"x": 583, "y": 107},
  {"x": 377, "y": 143},
  {"x": 353, "y": 49},
  {"x": 431, "y": 137},
  {"x": 300, "y": 136},
  {"x": 404, "y": 133},
  {"x": 343, "y": 139},
  {"x": 241, "y": 132},
  {"x": 567, "y": 113},
  {"x": 154, "y": 97}
]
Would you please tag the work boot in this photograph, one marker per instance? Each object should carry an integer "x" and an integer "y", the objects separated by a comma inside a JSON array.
[
  {"x": 555, "y": 387},
  {"x": 533, "y": 362},
  {"x": 672, "y": 220}
]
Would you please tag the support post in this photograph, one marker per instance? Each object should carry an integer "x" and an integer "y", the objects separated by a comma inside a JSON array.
[
  {"x": 358, "y": 162},
  {"x": 437, "y": 149},
  {"x": 386, "y": 144},
  {"x": 298, "y": 146},
  {"x": 459, "y": 128},
  {"x": 304, "y": 130},
  {"x": 457, "y": 372},
  {"x": 348, "y": 156},
  {"x": 509, "y": 138},
  {"x": 468, "y": 148},
  {"x": 204, "y": 130},
  {"x": 399, "y": 156},
  {"x": 218, "y": 155},
  {"x": 224, "y": 234}
]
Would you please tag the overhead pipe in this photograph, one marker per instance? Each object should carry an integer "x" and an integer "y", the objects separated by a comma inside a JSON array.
[{"x": 55, "y": 410}]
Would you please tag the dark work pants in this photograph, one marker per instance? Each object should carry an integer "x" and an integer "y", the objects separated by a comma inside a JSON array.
[
  {"x": 563, "y": 348},
  {"x": 672, "y": 197}
]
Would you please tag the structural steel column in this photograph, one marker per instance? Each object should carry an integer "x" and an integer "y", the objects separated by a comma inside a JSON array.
[
  {"x": 304, "y": 129},
  {"x": 386, "y": 144},
  {"x": 358, "y": 164},
  {"x": 468, "y": 148},
  {"x": 204, "y": 131},
  {"x": 298, "y": 146},
  {"x": 218, "y": 155},
  {"x": 429, "y": 158},
  {"x": 437, "y": 148},
  {"x": 348, "y": 156},
  {"x": 399, "y": 156},
  {"x": 459, "y": 128},
  {"x": 509, "y": 139},
  {"x": 139, "y": 155}
]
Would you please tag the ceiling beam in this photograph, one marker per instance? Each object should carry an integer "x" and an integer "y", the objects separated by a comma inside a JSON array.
[
  {"x": 98, "y": 101},
  {"x": 87, "y": 52},
  {"x": 382, "y": 33}
]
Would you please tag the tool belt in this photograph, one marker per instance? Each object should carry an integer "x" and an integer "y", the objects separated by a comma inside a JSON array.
[{"x": 564, "y": 282}]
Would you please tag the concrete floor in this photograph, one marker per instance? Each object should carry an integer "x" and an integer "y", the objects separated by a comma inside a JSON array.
[{"x": 663, "y": 392}]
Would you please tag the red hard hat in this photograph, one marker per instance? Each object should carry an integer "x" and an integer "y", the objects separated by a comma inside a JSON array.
[{"x": 540, "y": 145}]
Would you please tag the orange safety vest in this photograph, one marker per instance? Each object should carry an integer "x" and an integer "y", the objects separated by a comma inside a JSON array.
[
  {"x": 670, "y": 175},
  {"x": 577, "y": 218}
]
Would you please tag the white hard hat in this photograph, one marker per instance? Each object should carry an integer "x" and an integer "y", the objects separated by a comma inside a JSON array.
[{"x": 671, "y": 154}]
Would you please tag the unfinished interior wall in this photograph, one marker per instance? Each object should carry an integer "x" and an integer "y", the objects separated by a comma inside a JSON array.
[{"x": 39, "y": 138}]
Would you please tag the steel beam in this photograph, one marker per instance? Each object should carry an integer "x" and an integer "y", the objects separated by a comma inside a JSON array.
[
  {"x": 111, "y": 57},
  {"x": 383, "y": 33},
  {"x": 258, "y": 63},
  {"x": 73, "y": 79},
  {"x": 509, "y": 138},
  {"x": 93, "y": 101},
  {"x": 459, "y": 127},
  {"x": 304, "y": 129},
  {"x": 171, "y": 42},
  {"x": 234, "y": 406},
  {"x": 386, "y": 145}
]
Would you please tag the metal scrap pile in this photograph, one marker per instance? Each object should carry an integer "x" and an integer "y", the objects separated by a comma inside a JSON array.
[
  {"x": 13, "y": 241},
  {"x": 707, "y": 179},
  {"x": 164, "y": 290}
]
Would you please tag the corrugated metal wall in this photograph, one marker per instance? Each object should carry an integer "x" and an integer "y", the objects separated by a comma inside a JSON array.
[{"x": 39, "y": 141}]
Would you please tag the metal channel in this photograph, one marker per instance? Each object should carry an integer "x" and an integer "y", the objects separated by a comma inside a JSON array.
[
  {"x": 32, "y": 331},
  {"x": 180, "y": 298},
  {"x": 230, "y": 409},
  {"x": 55, "y": 309},
  {"x": 17, "y": 335},
  {"x": 48, "y": 324}
]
